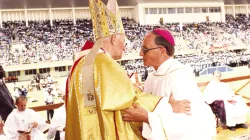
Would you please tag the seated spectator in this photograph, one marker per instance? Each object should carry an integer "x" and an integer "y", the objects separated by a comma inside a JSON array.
[
  {"x": 15, "y": 79},
  {"x": 234, "y": 106},
  {"x": 21, "y": 120}
]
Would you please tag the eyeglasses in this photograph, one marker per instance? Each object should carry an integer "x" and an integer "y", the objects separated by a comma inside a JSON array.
[{"x": 146, "y": 50}]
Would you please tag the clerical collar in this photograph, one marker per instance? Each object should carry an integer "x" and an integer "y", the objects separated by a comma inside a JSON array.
[{"x": 164, "y": 67}]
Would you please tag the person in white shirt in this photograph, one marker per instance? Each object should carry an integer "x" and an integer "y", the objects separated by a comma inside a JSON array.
[
  {"x": 22, "y": 119},
  {"x": 49, "y": 79},
  {"x": 54, "y": 91},
  {"x": 171, "y": 79},
  {"x": 48, "y": 99},
  {"x": 59, "y": 119},
  {"x": 234, "y": 106},
  {"x": 17, "y": 92}
]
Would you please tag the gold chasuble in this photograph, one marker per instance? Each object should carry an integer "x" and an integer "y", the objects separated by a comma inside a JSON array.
[
  {"x": 114, "y": 92},
  {"x": 99, "y": 89}
]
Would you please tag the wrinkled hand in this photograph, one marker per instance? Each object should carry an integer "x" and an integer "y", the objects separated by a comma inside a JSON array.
[
  {"x": 135, "y": 114},
  {"x": 182, "y": 106},
  {"x": 24, "y": 136}
]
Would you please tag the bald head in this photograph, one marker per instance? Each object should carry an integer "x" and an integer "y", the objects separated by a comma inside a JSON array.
[
  {"x": 20, "y": 99},
  {"x": 21, "y": 103}
]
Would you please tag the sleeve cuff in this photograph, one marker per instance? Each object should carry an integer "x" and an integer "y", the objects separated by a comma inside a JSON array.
[
  {"x": 153, "y": 130},
  {"x": 147, "y": 132}
]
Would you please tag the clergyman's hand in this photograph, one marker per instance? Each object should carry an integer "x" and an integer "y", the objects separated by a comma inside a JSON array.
[
  {"x": 135, "y": 114},
  {"x": 182, "y": 106},
  {"x": 35, "y": 124},
  {"x": 25, "y": 136}
]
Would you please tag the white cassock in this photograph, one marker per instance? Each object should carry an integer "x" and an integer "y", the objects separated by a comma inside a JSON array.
[
  {"x": 21, "y": 121},
  {"x": 3, "y": 137},
  {"x": 58, "y": 123},
  {"x": 235, "y": 113},
  {"x": 173, "y": 77}
]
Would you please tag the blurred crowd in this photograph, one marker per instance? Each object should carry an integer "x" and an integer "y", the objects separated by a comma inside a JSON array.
[
  {"x": 237, "y": 27},
  {"x": 46, "y": 43}
]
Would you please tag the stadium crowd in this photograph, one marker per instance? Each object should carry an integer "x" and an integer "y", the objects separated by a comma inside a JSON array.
[
  {"x": 238, "y": 26},
  {"x": 45, "y": 43}
]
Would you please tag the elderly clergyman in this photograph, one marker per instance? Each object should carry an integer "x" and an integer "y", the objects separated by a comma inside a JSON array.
[{"x": 171, "y": 79}]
